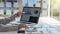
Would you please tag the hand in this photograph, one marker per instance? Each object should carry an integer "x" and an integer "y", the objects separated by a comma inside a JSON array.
[
  {"x": 18, "y": 14},
  {"x": 22, "y": 26}
]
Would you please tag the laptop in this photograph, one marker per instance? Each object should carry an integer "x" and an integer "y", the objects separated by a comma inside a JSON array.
[{"x": 30, "y": 15}]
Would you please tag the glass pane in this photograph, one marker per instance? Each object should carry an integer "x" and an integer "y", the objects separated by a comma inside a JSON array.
[
  {"x": 1, "y": 11},
  {"x": 8, "y": 4},
  {"x": 45, "y": 8},
  {"x": 1, "y": 4}
]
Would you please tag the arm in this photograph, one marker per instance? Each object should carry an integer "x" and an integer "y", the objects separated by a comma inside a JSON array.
[
  {"x": 7, "y": 20},
  {"x": 8, "y": 28}
]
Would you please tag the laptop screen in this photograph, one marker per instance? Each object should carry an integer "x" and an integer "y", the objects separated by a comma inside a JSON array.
[{"x": 30, "y": 15}]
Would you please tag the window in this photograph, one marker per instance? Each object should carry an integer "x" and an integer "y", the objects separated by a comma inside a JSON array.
[
  {"x": 12, "y": 6},
  {"x": 9, "y": 7}
]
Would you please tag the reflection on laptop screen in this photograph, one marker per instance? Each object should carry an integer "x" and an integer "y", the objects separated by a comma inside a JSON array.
[{"x": 33, "y": 19}]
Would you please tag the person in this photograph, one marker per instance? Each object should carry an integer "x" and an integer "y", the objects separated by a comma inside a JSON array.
[
  {"x": 47, "y": 25},
  {"x": 9, "y": 19}
]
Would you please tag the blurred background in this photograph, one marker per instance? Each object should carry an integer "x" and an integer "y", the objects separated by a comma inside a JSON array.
[{"x": 50, "y": 8}]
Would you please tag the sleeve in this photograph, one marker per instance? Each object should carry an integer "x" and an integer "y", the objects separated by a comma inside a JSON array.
[
  {"x": 7, "y": 20},
  {"x": 8, "y": 28},
  {"x": 12, "y": 28}
]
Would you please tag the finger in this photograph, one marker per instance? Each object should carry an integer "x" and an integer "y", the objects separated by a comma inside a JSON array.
[{"x": 22, "y": 26}]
